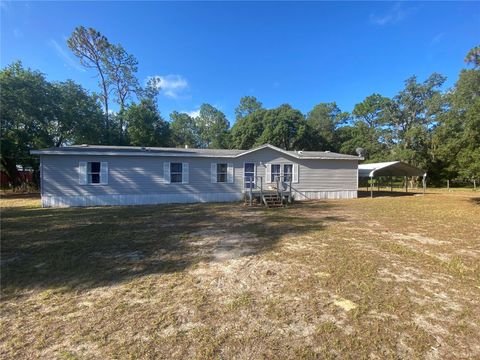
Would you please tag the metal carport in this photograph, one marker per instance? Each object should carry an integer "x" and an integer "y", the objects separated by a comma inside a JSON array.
[{"x": 392, "y": 168}]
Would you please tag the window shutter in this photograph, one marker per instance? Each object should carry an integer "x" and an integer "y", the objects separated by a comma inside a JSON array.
[
  {"x": 230, "y": 175},
  {"x": 295, "y": 173},
  {"x": 104, "y": 173},
  {"x": 166, "y": 172},
  {"x": 269, "y": 174},
  {"x": 185, "y": 173},
  {"x": 213, "y": 173},
  {"x": 82, "y": 173}
]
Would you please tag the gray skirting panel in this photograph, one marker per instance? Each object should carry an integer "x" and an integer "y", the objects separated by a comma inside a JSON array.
[{"x": 150, "y": 199}]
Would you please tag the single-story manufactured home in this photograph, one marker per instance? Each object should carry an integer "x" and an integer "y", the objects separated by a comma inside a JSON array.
[{"x": 90, "y": 175}]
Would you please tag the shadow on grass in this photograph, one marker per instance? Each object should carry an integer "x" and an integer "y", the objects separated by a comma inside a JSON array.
[
  {"x": 383, "y": 193},
  {"x": 475, "y": 200},
  {"x": 7, "y": 195},
  {"x": 88, "y": 247}
]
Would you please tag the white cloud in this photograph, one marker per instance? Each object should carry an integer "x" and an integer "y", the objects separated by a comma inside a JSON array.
[
  {"x": 171, "y": 85},
  {"x": 396, "y": 14},
  {"x": 193, "y": 113},
  {"x": 65, "y": 56}
]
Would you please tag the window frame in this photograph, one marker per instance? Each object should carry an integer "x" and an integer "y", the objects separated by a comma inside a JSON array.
[
  {"x": 90, "y": 173},
  {"x": 220, "y": 173},
  {"x": 284, "y": 174},
  {"x": 274, "y": 174},
  {"x": 172, "y": 173}
]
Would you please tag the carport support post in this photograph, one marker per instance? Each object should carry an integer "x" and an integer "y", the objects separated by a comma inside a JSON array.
[
  {"x": 391, "y": 185},
  {"x": 424, "y": 183},
  {"x": 371, "y": 186},
  {"x": 406, "y": 183}
]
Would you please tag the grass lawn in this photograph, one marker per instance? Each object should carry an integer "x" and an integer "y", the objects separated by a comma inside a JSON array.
[{"x": 389, "y": 277}]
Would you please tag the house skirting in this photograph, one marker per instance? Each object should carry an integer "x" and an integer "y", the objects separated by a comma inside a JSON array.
[
  {"x": 150, "y": 199},
  {"x": 318, "y": 195},
  {"x": 147, "y": 199}
]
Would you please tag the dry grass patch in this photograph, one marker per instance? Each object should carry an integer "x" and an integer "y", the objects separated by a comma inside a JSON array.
[{"x": 378, "y": 278}]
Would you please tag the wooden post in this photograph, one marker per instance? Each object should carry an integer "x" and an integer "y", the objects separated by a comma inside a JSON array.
[
  {"x": 424, "y": 183},
  {"x": 406, "y": 183},
  {"x": 391, "y": 184},
  {"x": 290, "y": 190},
  {"x": 474, "y": 185},
  {"x": 261, "y": 189},
  {"x": 448, "y": 185}
]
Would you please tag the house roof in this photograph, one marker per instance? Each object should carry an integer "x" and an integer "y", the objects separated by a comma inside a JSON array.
[
  {"x": 183, "y": 152},
  {"x": 392, "y": 168}
]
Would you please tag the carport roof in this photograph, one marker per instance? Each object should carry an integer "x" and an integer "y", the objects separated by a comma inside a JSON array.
[{"x": 392, "y": 168}]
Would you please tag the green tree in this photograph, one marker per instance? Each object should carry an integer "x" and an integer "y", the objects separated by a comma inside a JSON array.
[
  {"x": 116, "y": 70},
  {"x": 92, "y": 48},
  {"x": 367, "y": 131},
  {"x": 145, "y": 125},
  {"x": 371, "y": 110},
  {"x": 456, "y": 140},
  {"x": 323, "y": 121},
  {"x": 246, "y": 131},
  {"x": 36, "y": 113},
  {"x": 78, "y": 118},
  {"x": 247, "y": 106},
  {"x": 284, "y": 127},
  {"x": 183, "y": 130},
  {"x": 411, "y": 116},
  {"x": 212, "y": 128},
  {"x": 473, "y": 57}
]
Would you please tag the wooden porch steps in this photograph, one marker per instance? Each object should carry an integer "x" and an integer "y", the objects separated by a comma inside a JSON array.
[{"x": 272, "y": 200}]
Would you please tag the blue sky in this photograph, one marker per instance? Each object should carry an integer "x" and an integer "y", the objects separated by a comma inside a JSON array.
[{"x": 281, "y": 52}]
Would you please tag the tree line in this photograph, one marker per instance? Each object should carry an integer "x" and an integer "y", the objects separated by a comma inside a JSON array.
[{"x": 436, "y": 130}]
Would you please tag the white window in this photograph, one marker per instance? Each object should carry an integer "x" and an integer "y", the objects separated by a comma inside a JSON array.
[
  {"x": 275, "y": 172},
  {"x": 222, "y": 170},
  {"x": 176, "y": 172},
  {"x": 93, "y": 173},
  {"x": 287, "y": 172},
  {"x": 249, "y": 175},
  {"x": 221, "y": 173}
]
